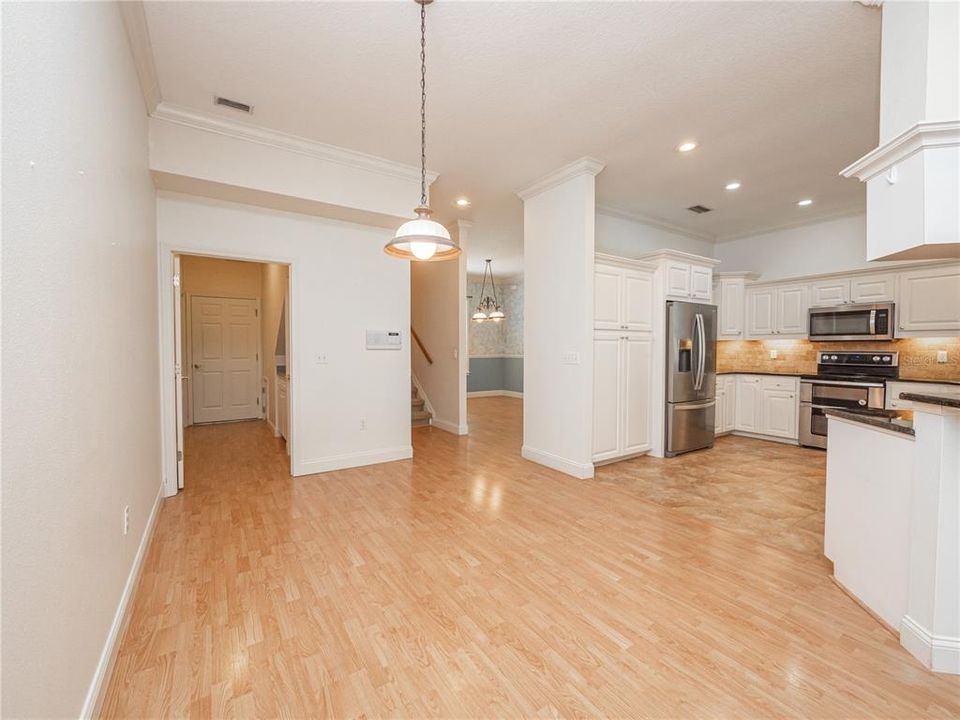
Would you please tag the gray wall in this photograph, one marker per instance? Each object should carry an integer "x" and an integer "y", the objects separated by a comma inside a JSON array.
[{"x": 495, "y": 373}]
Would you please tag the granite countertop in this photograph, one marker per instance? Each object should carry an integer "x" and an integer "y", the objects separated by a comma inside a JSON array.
[
  {"x": 925, "y": 380},
  {"x": 759, "y": 372},
  {"x": 952, "y": 401},
  {"x": 885, "y": 420}
]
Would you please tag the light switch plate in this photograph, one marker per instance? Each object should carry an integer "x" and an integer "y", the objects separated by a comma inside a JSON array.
[{"x": 570, "y": 358}]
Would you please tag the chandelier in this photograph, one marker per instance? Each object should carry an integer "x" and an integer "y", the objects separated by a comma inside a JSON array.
[
  {"x": 423, "y": 238},
  {"x": 488, "y": 308}
]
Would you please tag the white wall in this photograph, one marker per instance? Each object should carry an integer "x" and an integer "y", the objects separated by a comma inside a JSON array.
[
  {"x": 273, "y": 284},
  {"x": 829, "y": 246},
  {"x": 80, "y": 400},
  {"x": 558, "y": 230},
  {"x": 631, "y": 239},
  {"x": 341, "y": 283},
  {"x": 438, "y": 314}
]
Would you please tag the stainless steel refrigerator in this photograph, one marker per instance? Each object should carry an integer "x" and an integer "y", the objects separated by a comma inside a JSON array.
[{"x": 691, "y": 376}]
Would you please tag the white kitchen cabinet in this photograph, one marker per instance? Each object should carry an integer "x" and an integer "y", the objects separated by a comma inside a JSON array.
[
  {"x": 730, "y": 296},
  {"x": 622, "y": 299},
  {"x": 687, "y": 281},
  {"x": 606, "y": 395},
  {"x": 725, "y": 418},
  {"x": 929, "y": 301},
  {"x": 777, "y": 310},
  {"x": 792, "y": 308},
  {"x": 637, "y": 372},
  {"x": 892, "y": 399},
  {"x": 748, "y": 404},
  {"x": 779, "y": 407},
  {"x": 701, "y": 282},
  {"x": 761, "y": 312},
  {"x": 873, "y": 288},
  {"x": 622, "y": 394},
  {"x": 607, "y": 289},
  {"x": 834, "y": 291}
]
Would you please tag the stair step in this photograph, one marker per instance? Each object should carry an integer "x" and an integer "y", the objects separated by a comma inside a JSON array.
[
  {"x": 417, "y": 403},
  {"x": 421, "y": 415}
]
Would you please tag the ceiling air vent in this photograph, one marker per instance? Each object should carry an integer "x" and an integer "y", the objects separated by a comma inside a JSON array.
[
  {"x": 699, "y": 209},
  {"x": 234, "y": 104}
]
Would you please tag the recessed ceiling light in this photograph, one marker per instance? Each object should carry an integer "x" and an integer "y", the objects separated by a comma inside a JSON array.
[
  {"x": 687, "y": 146},
  {"x": 733, "y": 185},
  {"x": 805, "y": 202},
  {"x": 463, "y": 202}
]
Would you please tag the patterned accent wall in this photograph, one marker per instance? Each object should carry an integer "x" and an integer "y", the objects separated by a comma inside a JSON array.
[
  {"x": 504, "y": 337},
  {"x": 918, "y": 356}
]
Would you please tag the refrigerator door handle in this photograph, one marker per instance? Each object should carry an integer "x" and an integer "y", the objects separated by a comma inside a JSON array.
[
  {"x": 702, "y": 354},
  {"x": 693, "y": 405}
]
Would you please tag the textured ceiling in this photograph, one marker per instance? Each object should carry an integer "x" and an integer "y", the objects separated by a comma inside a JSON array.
[{"x": 780, "y": 96}]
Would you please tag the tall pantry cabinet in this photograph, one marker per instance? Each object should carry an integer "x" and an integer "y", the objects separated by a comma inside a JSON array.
[{"x": 622, "y": 358}]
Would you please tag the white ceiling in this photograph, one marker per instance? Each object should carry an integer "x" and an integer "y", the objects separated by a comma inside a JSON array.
[{"x": 780, "y": 95}]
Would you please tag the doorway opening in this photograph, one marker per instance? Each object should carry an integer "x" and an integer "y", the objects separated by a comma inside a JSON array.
[{"x": 233, "y": 375}]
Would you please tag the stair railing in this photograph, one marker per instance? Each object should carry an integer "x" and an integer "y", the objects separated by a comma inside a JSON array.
[{"x": 420, "y": 345}]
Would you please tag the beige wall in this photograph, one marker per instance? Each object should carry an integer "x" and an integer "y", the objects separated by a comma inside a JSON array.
[
  {"x": 81, "y": 416},
  {"x": 210, "y": 277},
  {"x": 274, "y": 280},
  {"x": 438, "y": 314}
]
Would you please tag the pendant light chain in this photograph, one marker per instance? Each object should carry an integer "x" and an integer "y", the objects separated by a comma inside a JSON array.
[{"x": 423, "y": 104}]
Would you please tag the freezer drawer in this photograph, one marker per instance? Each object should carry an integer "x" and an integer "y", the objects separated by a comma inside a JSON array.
[{"x": 690, "y": 426}]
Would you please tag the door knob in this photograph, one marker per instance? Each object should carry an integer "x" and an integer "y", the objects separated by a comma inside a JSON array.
[{"x": 196, "y": 366}]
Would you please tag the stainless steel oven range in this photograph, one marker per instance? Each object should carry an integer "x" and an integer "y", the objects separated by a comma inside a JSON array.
[{"x": 847, "y": 380}]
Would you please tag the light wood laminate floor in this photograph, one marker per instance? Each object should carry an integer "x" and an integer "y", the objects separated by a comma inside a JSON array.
[{"x": 471, "y": 583}]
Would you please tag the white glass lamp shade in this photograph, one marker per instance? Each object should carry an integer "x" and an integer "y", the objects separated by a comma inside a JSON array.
[
  {"x": 422, "y": 239},
  {"x": 479, "y": 316},
  {"x": 497, "y": 315}
]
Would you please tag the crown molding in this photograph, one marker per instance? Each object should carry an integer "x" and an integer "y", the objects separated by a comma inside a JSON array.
[
  {"x": 289, "y": 143},
  {"x": 922, "y": 136},
  {"x": 583, "y": 166},
  {"x": 653, "y": 222},
  {"x": 138, "y": 35},
  {"x": 670, "y": 254},
  {"x": 848, "y": 212}
]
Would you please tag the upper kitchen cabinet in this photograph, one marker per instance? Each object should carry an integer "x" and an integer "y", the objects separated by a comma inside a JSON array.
[
  {"x": 873, "y": 288},
  {"x": 929, "y": 301},
  {"x": 777, "y": 311},
  {"x": 622, "y": 295},
  {"x": 685, "y": 276},
  {"x": 834, "y": 291},
  {"x": 729, "y": 293}
]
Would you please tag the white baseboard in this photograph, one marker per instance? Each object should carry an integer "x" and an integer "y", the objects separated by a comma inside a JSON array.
[
  {"x": 581, "y": 471},
  {"x": 273, "y": 428},
  {"x": 94, "y": 699},
  {"x": 352, "y": 460},
  {"x": 494, "y": 393},
  {"x": 758, "y": 436},
  {"x": 449, "y": 427},
  {"x": 940, "y": 653}
]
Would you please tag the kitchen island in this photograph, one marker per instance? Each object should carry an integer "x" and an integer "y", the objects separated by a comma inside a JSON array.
[{"x": 892, "y": 521}]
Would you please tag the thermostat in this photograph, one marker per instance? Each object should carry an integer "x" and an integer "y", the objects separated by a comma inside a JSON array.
[{"x": 384, "y": 340}]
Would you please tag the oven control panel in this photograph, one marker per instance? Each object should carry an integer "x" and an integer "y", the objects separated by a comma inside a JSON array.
[{"x": 858, "y": 359}]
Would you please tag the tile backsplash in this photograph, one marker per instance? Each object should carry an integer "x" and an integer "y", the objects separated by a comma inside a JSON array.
[{"x": 918, "y": 356}]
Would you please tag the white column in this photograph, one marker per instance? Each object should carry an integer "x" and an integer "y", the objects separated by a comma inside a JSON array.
[
  {"x": 913, "y": 176},
  {"x": 931, "y": 628},
  {"x": 558, "y": 240}
]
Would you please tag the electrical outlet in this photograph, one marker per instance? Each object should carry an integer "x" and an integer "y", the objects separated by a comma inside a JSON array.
[
  {"x": 941, "y": 356},
  {"x": 126, "y": 519},
  {"x": 321, "y": 359},
  {"x": 773, "y": 354},
  {"x": 363, "y": 423}
]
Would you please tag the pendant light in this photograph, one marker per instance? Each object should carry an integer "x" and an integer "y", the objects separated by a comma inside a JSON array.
[
  {"x": 489, "y": 307},
  {"x": 423, "y": 239}
]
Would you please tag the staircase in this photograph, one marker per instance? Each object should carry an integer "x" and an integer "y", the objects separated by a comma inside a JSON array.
[{"x": 418, "y": 414}]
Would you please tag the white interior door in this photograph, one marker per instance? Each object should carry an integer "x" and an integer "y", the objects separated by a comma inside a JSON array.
[
  {"x": 225, "y": 359},
  {"x": 178, "y": 349}
]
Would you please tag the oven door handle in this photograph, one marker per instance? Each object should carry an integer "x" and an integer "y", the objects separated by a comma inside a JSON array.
[
  {"x": 844, "y": 383},
  {"x": 828, "y": 407}
]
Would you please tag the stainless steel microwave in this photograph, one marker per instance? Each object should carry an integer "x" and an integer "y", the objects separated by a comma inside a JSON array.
[{"x": 851, "y": 322}]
